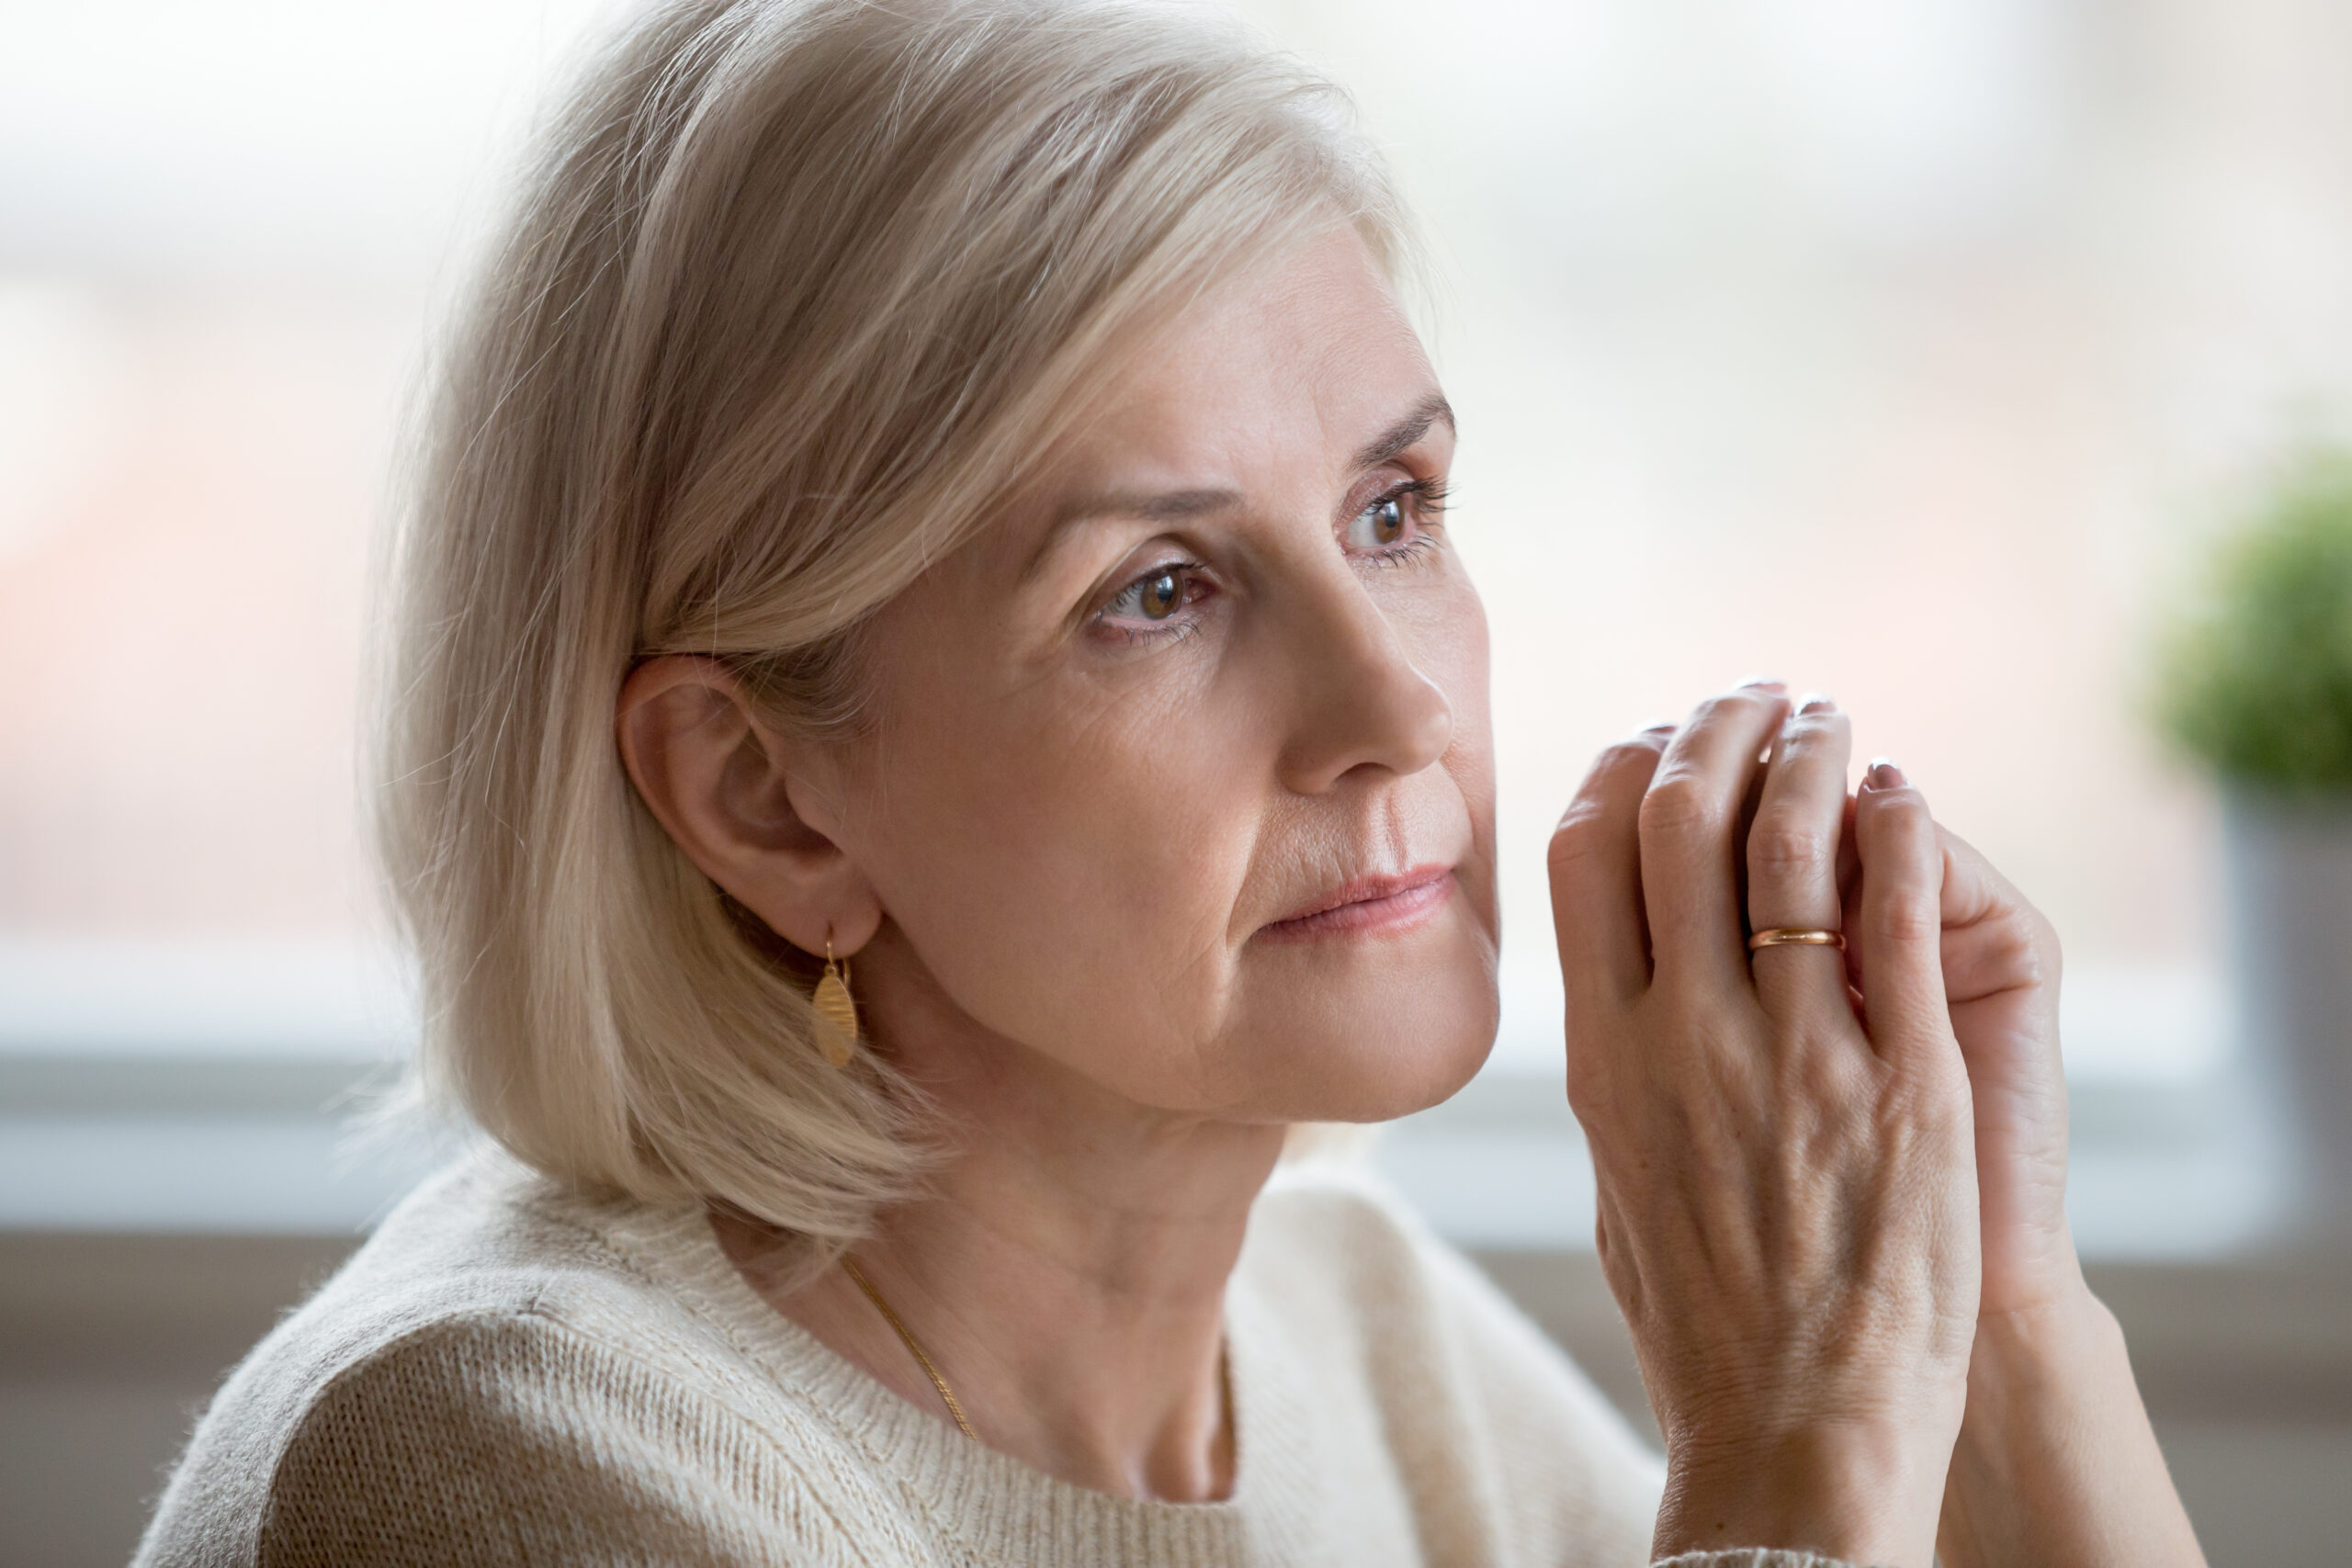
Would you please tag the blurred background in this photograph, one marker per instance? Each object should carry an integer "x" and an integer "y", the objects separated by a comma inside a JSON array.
[{"x": 1906, "y": 349}]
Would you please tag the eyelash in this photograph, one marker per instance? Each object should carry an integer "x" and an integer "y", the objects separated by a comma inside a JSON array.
[
  {"x": 1429, "y": 519},
  {"x": 1173, "y": 629},
  {"x": 1429, "y": 498}
]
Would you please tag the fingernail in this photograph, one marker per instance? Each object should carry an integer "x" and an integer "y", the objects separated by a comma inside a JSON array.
[
  {"x": 1816, "y": 702},
  {"x": 1762, "y": 683},
  {"x": 1884, "y": 774},
  {"x": 1654, "y": 725}
]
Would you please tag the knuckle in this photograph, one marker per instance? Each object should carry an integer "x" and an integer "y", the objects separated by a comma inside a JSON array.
[
  {"x": 1801, "y": 735},
  {"x": 1639, "y": 749},
  {"x": 1582, "y": 834},
  {"x": 2012, "y": 950},
  {"x": 1586, "y": 1076},
  {"x": 1780, "y": 846},
  {"x": 1740, "y": 700},
  {"x": 2050, "y": 951},
  {"x": 1904, "y": 919},
  {"x": 1679, "y": 805},
  {"x": 1834, "y": 1079},
  {"x": 1903, "y": 805},
  {"x": 1934, "y": 1105},
  {"x": 1583, "y": 1085},
  {"x": 1634, "y": 754},
  {"x": 2027, "y": 949},
  {"x": 1708, "y": 1030}
]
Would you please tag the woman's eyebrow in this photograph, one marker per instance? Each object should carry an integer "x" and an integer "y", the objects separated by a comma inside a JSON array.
[
  {"x": 1176, "y": 505},
  {"x": 1173, "y": 506},
  {"x": 1406, "y": 432},
  {"x": 1170, "y": 506}
]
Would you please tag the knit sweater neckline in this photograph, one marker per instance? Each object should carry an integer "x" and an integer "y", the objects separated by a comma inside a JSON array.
[{"x": 1001, "y": 1507}]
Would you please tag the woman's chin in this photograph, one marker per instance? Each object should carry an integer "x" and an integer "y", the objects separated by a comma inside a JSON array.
[
  {"x": 1388, "y": 1089},
  {"x": 1382, "y": 1064},
  {"x": 1369, "y": 1032}
]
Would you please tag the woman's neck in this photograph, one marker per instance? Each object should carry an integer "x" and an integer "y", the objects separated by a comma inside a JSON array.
[{"x": 1065, "y": 1274}]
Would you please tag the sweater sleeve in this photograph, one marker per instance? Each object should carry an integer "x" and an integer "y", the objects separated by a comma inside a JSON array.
[{"x": 517, "y": 1440}]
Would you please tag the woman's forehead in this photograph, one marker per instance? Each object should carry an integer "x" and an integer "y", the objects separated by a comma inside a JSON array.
[
  {"x": 1312, "y": 351},
  {"x": 1294, "y": 376}
]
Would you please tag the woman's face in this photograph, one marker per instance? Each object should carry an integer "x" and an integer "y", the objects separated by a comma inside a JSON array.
[{"x": 1182, "y": 776}]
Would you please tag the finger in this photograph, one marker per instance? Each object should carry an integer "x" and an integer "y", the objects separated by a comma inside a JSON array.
[
  {"x": 1690, "y": 821},
  {"x": 2001, "y": 966},
  {"x": 1975, "y": 893},
  {"x": 1792, "y": 862},
  {"x": 1850, "y": 894},
  {"x": 1595, "y": 866},
  {"x": 1972, "y": 890},
  {"x": 1749, "y": 801},
  {"x": 1901, "y": 920}
]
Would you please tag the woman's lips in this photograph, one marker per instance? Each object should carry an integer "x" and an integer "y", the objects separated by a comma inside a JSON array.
[{"x": 1369, "y": 904}]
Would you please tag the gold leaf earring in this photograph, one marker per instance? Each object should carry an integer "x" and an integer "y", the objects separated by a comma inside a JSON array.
[{"x": 836, "y": 1010}]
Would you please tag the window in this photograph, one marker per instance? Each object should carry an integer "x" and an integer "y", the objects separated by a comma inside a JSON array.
[{"x": 1899, "y": 351}]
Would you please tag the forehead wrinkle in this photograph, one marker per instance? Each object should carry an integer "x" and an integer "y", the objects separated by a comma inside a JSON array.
[{"x": 1166, "y": 506}]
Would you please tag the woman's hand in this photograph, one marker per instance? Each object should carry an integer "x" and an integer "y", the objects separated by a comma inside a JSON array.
[
  {"x": 1788, "y": 1208},
  {"x": 2001, "y": 969},
  {"x": 2056, "y": 1466}
]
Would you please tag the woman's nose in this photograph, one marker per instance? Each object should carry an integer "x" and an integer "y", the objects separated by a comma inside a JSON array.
[{"x": 1359, "y": 700}]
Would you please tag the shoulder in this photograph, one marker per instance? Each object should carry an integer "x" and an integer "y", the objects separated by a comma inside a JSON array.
[
  {"x": 1461, "y": 1375},
  {"x": 486, "y": 1381},
  {"x": 523, "y": 1439}
]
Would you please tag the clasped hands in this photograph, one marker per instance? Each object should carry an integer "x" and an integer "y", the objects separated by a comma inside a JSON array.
[{"x": 1831, "y": 1183}]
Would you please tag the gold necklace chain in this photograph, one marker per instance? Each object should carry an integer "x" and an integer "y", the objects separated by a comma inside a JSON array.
[{"x": 946, "y": 1395}]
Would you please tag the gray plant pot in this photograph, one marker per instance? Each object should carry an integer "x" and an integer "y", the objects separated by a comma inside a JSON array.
[{"x": 2289, "y": 896}]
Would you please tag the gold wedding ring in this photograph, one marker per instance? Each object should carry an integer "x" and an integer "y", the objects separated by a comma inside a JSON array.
[{"x": 1790, "y": 936}]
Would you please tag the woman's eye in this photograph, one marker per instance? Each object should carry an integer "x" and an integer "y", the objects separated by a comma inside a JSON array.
[
  {"x": 1160, "y": 596},
  {"x": 1387, "y": 524},
  {"x": 1399, "y": 524}
]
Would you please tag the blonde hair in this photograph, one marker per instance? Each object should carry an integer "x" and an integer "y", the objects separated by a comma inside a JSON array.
[{"x": 796, "y": 293}]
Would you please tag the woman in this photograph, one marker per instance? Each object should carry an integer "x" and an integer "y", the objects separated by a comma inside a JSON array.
[{"x": 933, "y": 720}]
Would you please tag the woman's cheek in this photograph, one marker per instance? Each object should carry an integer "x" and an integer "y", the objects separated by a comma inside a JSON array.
[
  {"x": 1170, "y": 833},
  {"x": 1087, "y": 913}
]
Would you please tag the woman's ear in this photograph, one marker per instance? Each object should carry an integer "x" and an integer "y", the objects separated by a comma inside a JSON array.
[{"x": 722, "y": 783}]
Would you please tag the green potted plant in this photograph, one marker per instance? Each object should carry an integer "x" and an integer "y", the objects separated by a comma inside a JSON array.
[{"x": 2257, "y": 683}]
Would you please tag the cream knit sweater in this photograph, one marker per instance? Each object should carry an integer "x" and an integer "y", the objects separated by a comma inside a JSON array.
[{"x": 509, "y": 1374}]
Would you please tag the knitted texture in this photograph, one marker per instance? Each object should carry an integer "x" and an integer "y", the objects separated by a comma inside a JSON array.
[{"x": 508, "y": 1374}]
